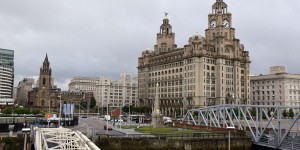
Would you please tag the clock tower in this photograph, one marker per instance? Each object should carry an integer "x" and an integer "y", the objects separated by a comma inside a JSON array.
[
  {"x": 220, "y": 22},
  {"x": 232, "y": 61}
]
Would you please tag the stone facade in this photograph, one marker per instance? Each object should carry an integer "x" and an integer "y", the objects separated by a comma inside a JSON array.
[
  {"x": 207, "y": 71},
  {"x": 276, "y": 88},
  {"x": 24, "y": 86},
  {"x": 84, "y": 84},
  {"x": 46, "y": 94}
]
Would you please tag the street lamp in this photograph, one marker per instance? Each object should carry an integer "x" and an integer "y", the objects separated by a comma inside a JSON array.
[
  {"x": 229, "y": 128},
  {"x": 49, "y": 112},
  {"x": 129, "y": 116},
  {"x": 59, "y": 110},
  {"x": 107, "y": 118}
]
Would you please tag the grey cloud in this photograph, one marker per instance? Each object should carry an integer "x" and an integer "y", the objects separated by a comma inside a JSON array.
[{"x": 97, "y": 37}]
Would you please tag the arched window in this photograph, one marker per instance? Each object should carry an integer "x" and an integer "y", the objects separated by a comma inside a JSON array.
[
  {"x": 44, "y": 81},
  {"x": 212, "y": 68}
]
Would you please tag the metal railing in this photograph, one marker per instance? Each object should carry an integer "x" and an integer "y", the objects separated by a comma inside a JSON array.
[
  {"x": 256, "y": 119},
  {"x": 177, "y": 136}
]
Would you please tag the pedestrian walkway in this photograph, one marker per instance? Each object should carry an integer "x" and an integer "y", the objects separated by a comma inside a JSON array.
[{"x": 125, "y": 131}]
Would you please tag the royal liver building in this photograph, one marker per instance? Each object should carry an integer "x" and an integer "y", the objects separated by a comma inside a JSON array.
[{"x": 209, "y": 70}]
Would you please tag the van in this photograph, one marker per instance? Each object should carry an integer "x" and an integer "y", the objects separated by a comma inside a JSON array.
[{"x": 107, "y": 117}]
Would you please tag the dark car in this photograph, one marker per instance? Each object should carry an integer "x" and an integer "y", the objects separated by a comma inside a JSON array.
[{"x": 107, "y": 127}]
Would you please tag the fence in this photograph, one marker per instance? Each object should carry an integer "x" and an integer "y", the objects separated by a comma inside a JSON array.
[{"x": 177, "y": 136}]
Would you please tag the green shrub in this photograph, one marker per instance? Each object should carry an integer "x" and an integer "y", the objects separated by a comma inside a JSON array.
[{"x": 8, "y": 140}]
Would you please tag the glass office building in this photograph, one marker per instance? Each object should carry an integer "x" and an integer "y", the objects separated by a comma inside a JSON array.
[{"x": 6, "y": 76}]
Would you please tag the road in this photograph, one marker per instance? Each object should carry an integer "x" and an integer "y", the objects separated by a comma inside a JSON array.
[{"x": 92, "y": 127}]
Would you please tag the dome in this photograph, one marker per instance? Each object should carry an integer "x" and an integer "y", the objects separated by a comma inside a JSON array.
[{"x": 197, "y": 36}]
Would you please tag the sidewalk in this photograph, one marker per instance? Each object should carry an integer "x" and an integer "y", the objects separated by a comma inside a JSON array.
[
  {"x": 116, "y": 128},
  {"x": 126, "y": 131}
]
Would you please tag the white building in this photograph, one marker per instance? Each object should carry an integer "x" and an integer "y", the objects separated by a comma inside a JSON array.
[
  {"x": 117, "y": 93},
  {"x": 106, "y": 91},
  {"x": 84, "y": 84},
  {"x": 276, "y": 88}
]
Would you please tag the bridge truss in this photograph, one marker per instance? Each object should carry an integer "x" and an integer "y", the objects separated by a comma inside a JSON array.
[
  {"x": 267, "y": 125},
  {"x": 61, "y": 139}
]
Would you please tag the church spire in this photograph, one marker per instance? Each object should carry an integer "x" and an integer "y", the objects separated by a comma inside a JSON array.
[
  {"x": 46, "y": 61},
  {"x": 46, "y": 66}
]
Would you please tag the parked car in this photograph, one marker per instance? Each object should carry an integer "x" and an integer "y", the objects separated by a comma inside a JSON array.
[
  {"x": 83, "y": 116},
  {"x": 107, "y": 127},
  {"x": 167, "y": 120}
]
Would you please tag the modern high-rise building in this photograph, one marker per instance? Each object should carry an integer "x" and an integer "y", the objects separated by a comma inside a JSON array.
[
  {"x": 276, "y": 88},
  {"x": 6, "y": 76},
  {"x": 211, "y": 69}
]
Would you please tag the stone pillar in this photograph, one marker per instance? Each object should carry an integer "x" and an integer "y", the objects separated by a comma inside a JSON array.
[{"x": 156, "y": 115}]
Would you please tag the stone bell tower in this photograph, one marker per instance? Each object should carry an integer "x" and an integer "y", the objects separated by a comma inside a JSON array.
[{"x": 45, "y": 85}]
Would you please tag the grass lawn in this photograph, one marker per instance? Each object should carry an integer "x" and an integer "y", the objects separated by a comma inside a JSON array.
[{"x": 129, "y": 127}]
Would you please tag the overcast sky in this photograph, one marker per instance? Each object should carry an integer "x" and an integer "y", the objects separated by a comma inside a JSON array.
[{"x": 106, "y": 37}]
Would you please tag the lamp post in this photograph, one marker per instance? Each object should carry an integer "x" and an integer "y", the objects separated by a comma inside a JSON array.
[
  {"x": 129, "y": 116},
  {"x": 49, "y": 111},
  {"x": 229, "y": 128},
  {"x": 107, "y": 118},
  {"x": 59, "y": 110}
]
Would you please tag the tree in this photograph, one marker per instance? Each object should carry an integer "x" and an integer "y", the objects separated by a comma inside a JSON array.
[
  {"x": 35, "y": 111},
  {"x": 83, "y": 104},
  {"x": 177, "y": 111},
  {"x": 19, "y": 110},
  {"x": 284, "y": 113},
  {"x": 137, "y": 109},
  {"x": 291, "y": 113},
  {"x": 253, "y": 111},
  {"x": 125, "y": 109},
  {"x": 92, "y": 102},
  {"x": 26, "y": 110},
  {"x": 236, "y": 111},
  {"x": 7, "y": 111}
]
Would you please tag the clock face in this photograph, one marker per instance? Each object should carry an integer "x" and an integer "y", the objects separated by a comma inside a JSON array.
[
  {"x": 213, "y": 24},
  {"x": 226, "y": 24}
]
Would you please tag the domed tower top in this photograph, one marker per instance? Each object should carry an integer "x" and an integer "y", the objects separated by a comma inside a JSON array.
[
  {"x": 165, "y": 38},
  {"x": 219, "y": 7}
]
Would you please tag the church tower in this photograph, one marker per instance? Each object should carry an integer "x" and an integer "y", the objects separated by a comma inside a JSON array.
[
  {"x": 45, "y": 85},
  {"x": 165, "y": 38}
]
